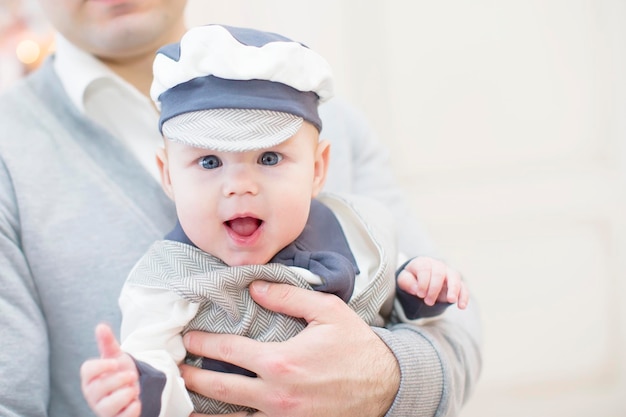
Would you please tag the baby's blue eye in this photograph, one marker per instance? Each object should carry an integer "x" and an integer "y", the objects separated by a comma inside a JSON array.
[
  {"x": 270, "y": 158},
  {"x": 210, "y": 162}
]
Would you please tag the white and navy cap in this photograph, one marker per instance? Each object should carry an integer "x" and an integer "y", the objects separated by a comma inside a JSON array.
[{"x": 237, "y": 89}]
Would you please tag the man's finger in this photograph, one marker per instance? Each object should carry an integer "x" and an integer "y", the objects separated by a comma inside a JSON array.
[
  {"x": 238, "y": 414},
  {"x": 229, "y": 388},
  {"x": 237, "y": 350},
  {"x": 312, "y": 306}
]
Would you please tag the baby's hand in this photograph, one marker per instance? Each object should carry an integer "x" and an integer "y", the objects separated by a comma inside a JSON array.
[
  {"x": 433, "y": 281},
  {"x": 111, "y": 384}
]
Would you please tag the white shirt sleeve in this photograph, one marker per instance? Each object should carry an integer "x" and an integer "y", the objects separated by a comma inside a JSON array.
[{"x": 152, "y": 323}]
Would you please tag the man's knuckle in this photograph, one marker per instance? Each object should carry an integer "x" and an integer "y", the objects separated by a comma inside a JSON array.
[
  {"x": 221, "y": 390},
  {"x": 285, "y": 402},
  {"x": 279, "y": 366},
  {"x": 225, "y": 351}
]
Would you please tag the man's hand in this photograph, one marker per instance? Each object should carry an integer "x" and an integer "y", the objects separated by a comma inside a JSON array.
[{"x": 337, "y": 366}]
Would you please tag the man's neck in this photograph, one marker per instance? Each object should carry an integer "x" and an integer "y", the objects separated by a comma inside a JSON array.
[{"x": 137, "y": 70}]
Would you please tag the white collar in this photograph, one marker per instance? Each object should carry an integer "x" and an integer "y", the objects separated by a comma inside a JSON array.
[{"x": 78, "y": 70}]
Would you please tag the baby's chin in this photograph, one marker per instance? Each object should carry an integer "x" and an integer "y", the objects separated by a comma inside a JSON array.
[{"x": 241, "y": 259}]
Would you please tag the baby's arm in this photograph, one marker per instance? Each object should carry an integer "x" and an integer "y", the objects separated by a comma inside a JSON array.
[
  {"x": 433, "y": 281},
  {"x": 110, "y": 384},
  {"x": 152, "y": 322}
]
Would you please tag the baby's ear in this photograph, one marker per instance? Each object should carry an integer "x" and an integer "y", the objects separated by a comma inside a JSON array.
[
  {"x": 322, "y": 157},
  {"x": 164, "y": 171}
]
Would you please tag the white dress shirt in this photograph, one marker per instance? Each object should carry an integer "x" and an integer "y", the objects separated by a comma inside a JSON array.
[{"x": 110, "y": 101}]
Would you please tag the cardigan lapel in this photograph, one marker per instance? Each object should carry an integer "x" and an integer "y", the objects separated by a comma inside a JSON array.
[{"x": 107, "y": 156}]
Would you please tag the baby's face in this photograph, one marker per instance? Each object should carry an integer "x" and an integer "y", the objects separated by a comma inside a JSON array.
[{"x": 243, "y": 207}]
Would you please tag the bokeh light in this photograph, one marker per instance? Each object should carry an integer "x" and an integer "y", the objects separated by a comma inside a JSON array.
[{"x": 28, "y": 51}]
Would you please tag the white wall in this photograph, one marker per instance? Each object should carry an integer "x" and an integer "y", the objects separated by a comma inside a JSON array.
[{"x": 507, "y": 125}]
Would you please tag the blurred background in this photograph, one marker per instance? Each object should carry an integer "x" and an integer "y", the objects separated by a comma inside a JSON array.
[
  {"x": 506, "y": 122},
  {"x": 26, "y": 39}
]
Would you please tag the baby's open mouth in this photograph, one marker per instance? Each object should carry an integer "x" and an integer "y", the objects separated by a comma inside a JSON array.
[{"x": 244, "y": 226}]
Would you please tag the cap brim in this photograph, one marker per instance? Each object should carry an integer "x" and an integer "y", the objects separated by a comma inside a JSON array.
[{"x": 232, "y": 130}]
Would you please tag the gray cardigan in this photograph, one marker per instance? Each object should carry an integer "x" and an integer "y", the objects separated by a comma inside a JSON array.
[{"x": 77, "y": 210}]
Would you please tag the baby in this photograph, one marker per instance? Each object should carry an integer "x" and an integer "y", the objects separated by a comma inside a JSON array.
[{"x": 245, "y": 165}]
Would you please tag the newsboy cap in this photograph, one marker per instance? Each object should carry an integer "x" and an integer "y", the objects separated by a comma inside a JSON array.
[{"x": 235, "y": 89}]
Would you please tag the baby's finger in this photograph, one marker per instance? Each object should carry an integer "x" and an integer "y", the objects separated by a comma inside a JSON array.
[
  {"x": 437, "y": 280},
  {"x": 407, "y": 282},
  {"x": 421, "y": 268},
  {"x": 93, "y": 368},
  {"x": 132, "y": 410},
  {"x": 119, "y": 403},
  {"x": 107, "y": 385},
  {"x": 463, "y": 296},
  {"x": 107, "y": 343},
  {"x": 454, "y": 283}
]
